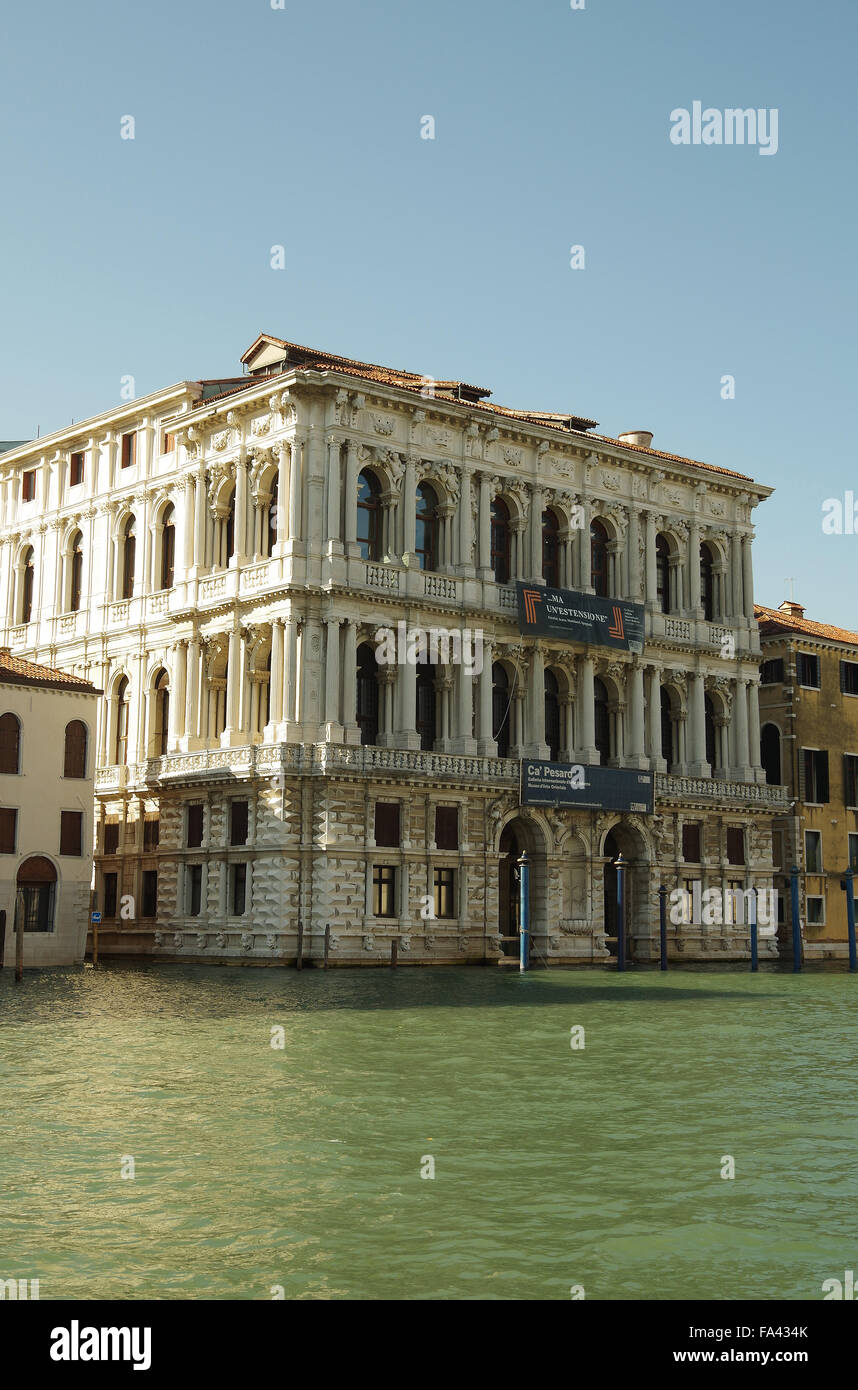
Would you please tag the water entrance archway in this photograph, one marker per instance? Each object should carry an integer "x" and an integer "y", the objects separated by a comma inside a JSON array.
[
  {"x": 627, "y": 840},
  {"x": 520, "y": 834}
]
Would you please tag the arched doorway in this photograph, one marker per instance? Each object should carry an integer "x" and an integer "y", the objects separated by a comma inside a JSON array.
[
  {"x": 627, "y": 840},
  {"x": 35, "y": 900},
  {"x": 521, "y": 834}
]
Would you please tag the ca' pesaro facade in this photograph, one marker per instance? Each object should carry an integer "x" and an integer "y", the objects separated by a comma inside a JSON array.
[{"x": 220, "y": 557}]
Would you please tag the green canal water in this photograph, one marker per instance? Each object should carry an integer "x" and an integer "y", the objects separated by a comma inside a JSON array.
[{"x": 300, "y": 1166}]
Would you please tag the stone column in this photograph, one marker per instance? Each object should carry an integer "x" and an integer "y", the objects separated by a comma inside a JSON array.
[
  {"x": 742, "y": 770},
  {"x": 350, "y": 683},
  {"x": 178, "y": 696},
  {"x": 537, "y": 507},
  {"x": 651, "y": 572},
  {"x": 534, "y": 733},
  {"x": 408, "y": 502},
  {"x": 587, "y": 718},
  {"x": 192, "y": 721},
  {"x": 335, "y": 544},
  {"x": 748, "y": 579},
  {"x": 653, "y": 709},
  {"x": 290, "y": 676},
  {"x": 694, "y": 569},
  {"x": 386, "y": 693},
  {"x": 487, "y": 747},
  {"x": 294, "y": 531},
  {"x": 754, "y": 730},
  {"x": 585, "y": 562},
  {"x": 239, "y": 555},
  {"x": 200, "y": 521},
  {"x": 282, "y": 529},
  {"x": 484, "y": 559},
  {"x": 350, "y": 500},
  {"x": 233, "y": 689},
  {"x": 275, "y": 710},
  {"x": 333, "y": 726},
  {"x": 635, "y": 753},
  {"x": 736, "y": 605},
  {"x": 518, "y": 563},
  {"x": 406, "y": 690},
  {"x": 722, "y": 767},
  {"x": 517, "y": 711},
  {"x": 697, "y": 765},
  {"x": 463, "y": 739},
  {"x": 634, "y": 555},
  {"x": 466, "y": 537}
]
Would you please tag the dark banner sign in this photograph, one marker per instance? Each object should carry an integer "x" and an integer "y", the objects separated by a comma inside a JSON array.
[
  {"x": 601, "y": 622},
  {"x": 599, "y": 788}
]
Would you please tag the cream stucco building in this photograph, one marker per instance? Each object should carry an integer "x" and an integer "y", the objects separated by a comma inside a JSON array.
[
  {"x": 218, "y": 558},
  {"x": 47, "y": 759}
]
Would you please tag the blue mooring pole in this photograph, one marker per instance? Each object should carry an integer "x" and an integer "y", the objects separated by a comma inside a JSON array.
[
  {"x": 850, "y": 918},
  {"x": 620, "y": 866},
  {"x": 662, "y": 924},
  {"x": 796, "y": 920},
  {"x": 524, "y": 909}
]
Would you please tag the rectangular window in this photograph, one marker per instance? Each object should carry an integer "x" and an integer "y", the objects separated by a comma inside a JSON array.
[
  {"x": 168, "y": 442},
  {"x": 111, "y": 882},
  {"x": 735, "y": 844},
  {"x": 731, "y": 905},
  {"x": 778, "y": 849},
  {"x": 28, "y": 485},
  {"x": 8, "y": 829},
  {"x": 383, "y": 891},
  {"x": 445, "y": 895},
  {"x": 195, "y": 825},
  {"x": 387, "y": 824},
  {"x": 815, "y": 768},
  {"x": 849, "y": 677},
  {"x": 111, "y": 836},
  {"x": 129, "y": 450},
  {"x": 772, "y": 672},
  {"x": 71, "y": 832},
  {"x": 195, "y": 888},
  {"x": 691, "y": 842},
  {"x": 150, "y": 893},
  {"x": 238, "y": 889},
  {"x": 447, "y": 827},
  {"x": 75, "y": 470},
  {"x": 853, "y": 851},
  {"x": 807, "y": 670},
  {"x": 815, "y": 912},
  {"x": 238, "y": 822},
  {"x": 813, "y": 851},
  {"x": 850, "y": 779},
  {"x": 151, "y": 833}
]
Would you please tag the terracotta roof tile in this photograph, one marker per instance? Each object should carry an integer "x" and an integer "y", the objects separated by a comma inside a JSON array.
[
  {"x": 21, "y": 672},
  {"x": 772, "y": 620}
]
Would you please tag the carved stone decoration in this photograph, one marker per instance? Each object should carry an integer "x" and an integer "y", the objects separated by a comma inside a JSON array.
[
  {"x": 178, "y": 938},
  {"x": 405, "y": 943},
  {"x": 620, "y": 522},
  {"x": 462, "y": 945},
  {"x": 261, "y": 426},
  {"x": 612, "y": 482},
  {"x": 159, "y": 938},
  {"x": 672, "y": 495},
  {"x": 246, "y": 941},
  {"x": 576, "y": 926},
  {"x": 430, "y": 942},
  {"x": 639, "y": 488},
  {"x": 220, "y": 440},
  {"x": 680, "y": 530},
  {"x": 271, "y": 941},
  {"x": 560, "y": 464},
  {"x": 221, "y": 939},
  {"x": 200, "y": 940},
  {"x": 448, "y": 478},
  {"x": 717, "y": 507},
  {"x": 440, "y": 437},
  {"x": 382, "y": 424},
  {"x": 512, "y": 455},
  {"x": 368, "y": 943},
  {"x": 473, "y": 443}
]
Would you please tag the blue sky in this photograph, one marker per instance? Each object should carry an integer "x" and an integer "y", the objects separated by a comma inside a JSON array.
[{"x": 301, "y": 127}]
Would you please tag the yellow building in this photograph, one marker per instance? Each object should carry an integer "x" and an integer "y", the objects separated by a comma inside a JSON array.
[{"x": 809, "y": 742}]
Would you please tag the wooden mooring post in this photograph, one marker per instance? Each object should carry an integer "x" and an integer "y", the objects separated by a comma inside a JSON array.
[
  {"x": 394, "y": 950},
  {"x": 327, "y": 945},
  {"x": 299, "y": 963}
]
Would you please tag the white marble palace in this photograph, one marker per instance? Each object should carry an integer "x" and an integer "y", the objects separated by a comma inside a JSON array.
[{"x": 218, "y": 557}]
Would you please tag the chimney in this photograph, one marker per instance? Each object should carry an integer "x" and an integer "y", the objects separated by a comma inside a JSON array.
[
  {"x": 791, "y": 609},
  {"x": 641, "y": 437}
]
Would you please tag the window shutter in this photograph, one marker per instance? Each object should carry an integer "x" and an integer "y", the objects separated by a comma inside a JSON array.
[
  {"x": 823, "y": 775},
  {"x": 387, "y": 824}
]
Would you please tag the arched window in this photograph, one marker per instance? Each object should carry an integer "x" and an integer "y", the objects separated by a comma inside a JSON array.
[
  {"x": 34, "y": 904},
  {"x": 601, "y": 720},
  {"x": 706, "y": 582},
  {"x": 500, "y": 541},
  {"x": 271, "y": 524},
  {"x": 662, "y": 572},
  {"x": 74, "y": 763},
  {"x": 552, "y": 716},
  {"x": 28, "y": 575},
  {"x": 666, "y": 730},
  {"x": 161, "y": 714},
  {"x": 709, "y": 724},
  {"x": 770, "y": 753},
  {"x": 427, "y": 527},
  {"x": 168, "y": 547},
  {"x": 550, "y": 549},
  {"x": 120, "y": 744},
  {"x": 500, "y": 709},
  {"x": 10, "y": 743},
  {"x": 369, "y": 516},
  {"x": 129, "y": 558},
  {"x": 76, "y": 575},
  {"x": 599, "y": 558},
  {"x": 367, "y": 694},
  {"x": 426, "y": 705}
]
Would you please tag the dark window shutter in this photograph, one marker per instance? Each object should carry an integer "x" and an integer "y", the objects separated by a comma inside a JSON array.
[
  {"x": 822, "y": 773},
  {"x": 8, "y": 825},
  {"x": 387, "y": 823},
  {"x": 71, "y": 832},
  {"x": 195, "y": 825},
  {"x": 447, "y": 827},
  {"x": 238, "y": 823}
]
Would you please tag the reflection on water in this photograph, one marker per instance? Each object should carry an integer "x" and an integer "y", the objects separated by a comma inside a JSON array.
[{"x": 300, "y": 1166}]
